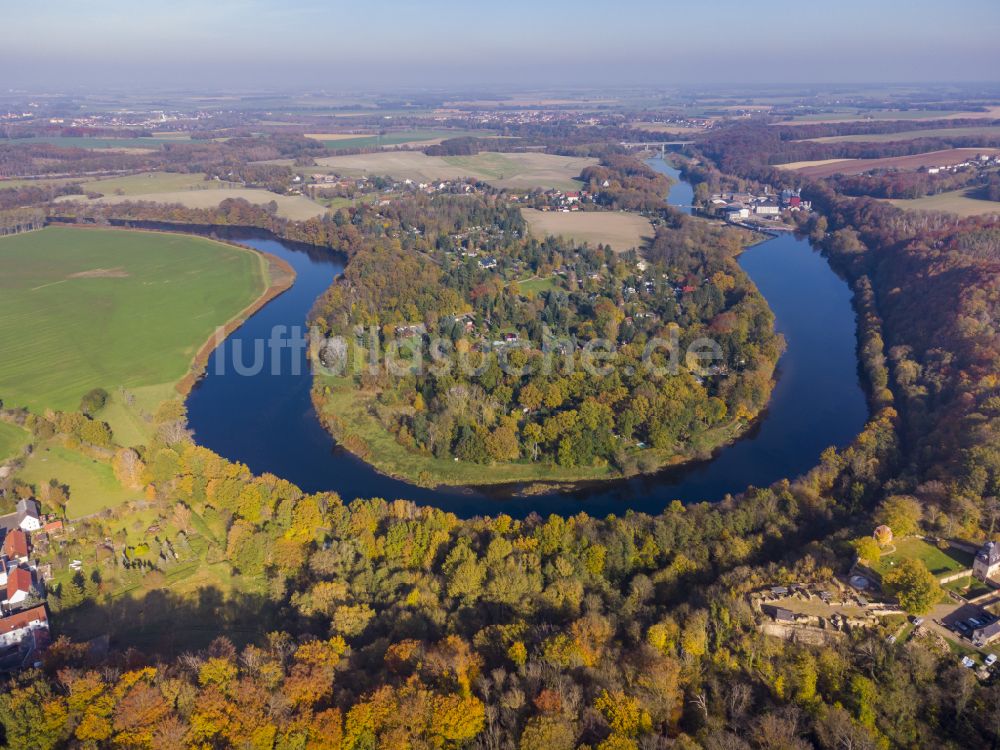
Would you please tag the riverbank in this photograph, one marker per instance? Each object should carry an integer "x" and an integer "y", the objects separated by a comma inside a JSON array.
[{"x": 279, "y": 277}]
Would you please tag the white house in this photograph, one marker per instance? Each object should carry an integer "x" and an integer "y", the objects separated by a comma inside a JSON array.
[
  {"x": 15, "y": 628},
  {"x": 29, "y": 514}
]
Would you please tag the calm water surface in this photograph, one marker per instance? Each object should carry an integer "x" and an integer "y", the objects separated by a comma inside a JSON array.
[{"x": 267, "y": 422}]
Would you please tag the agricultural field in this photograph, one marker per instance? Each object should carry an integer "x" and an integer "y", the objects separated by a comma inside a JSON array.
[
  {"x": 513, "y": 170},
  {"x": 98, "y": 143},
  {"x": 830, "y": 167},
  {"x": 663, "y": 128},
  {"x": 344, "y": 141},
  {"x": 82, "y": 308},
  {"x": 621, "y": 230},
  {"x": 12, "y": 440},
  {"x": 147, "y": 183},
  {"x": 853, "y": 115},
  {"x": 961, "y": 202},
  {"x": 984, "y": 131},
  {"x": 296, "y": 207},
  {"x": 940, "y": 562}
]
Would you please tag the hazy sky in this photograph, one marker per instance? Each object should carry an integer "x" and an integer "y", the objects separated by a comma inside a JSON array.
[{"x": 462, "y": 42}]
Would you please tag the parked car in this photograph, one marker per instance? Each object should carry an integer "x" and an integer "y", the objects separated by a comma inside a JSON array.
[
  {"x": 990, "y": 660},
  {"x": 918, "y": 621},
  {"x": 962, "y": 627}
]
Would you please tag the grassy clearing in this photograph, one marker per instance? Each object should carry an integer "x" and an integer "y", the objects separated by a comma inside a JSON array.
[
  {"x": 909, "y": 135},
  {"x": 515, "y": 170},
  {"x": 621, "y": 230},
  {"x": 296, "y": 207},
  {"x": 961, "y": 202},
  {"x": 12, "y": 440},
  {"x": 92, "y": 484},
  {"x": 536, "y": 285},
  {"x": 939, "y": 562},
  {"x": 82, "y": 309}
]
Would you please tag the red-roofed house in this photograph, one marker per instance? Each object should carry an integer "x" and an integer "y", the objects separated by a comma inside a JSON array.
[
  {"x": 16, "y": 627},
  {"x": 19, "y": 586},
  {"x": 15, "y": 545}
]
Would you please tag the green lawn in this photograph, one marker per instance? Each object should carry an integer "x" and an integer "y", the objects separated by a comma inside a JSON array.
[
  {"x": 92, "y": 484},
  {"x": 12, "y": 440},
  {"x": 534, "y": 286},
  {"x": 908, "y": 135},
  {"x": 939, "y": 562},
  {"x": 397, "y": 138},
  {"x": 82, "y": 308}
]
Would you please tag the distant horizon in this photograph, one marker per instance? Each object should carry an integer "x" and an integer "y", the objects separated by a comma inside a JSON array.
[{"x": 264, "y": 43}]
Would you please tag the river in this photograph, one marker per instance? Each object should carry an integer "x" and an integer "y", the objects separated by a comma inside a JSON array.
[{"x": 267, "y": 420}]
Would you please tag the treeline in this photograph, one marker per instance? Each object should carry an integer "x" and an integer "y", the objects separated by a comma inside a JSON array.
[
  {"x": 905, "y": 184},
  {"x": 936, "y": 279},
  {"x": 406, "y": 627},
  {"x": 30, "y": 158},
  {"x": 752, "y": 149}
]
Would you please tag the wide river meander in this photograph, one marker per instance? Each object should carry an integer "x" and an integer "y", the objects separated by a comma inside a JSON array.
[{"x": 267, "y": 420}]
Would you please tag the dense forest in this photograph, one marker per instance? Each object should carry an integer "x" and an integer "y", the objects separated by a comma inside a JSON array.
[{"x": 458, "y": 266}]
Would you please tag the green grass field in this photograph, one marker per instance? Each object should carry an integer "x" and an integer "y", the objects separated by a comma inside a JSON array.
[
  {"x": 960, "y": 202},
  {"x": 909, "y": 135},
  {"x": 853, "y": 115},
  {"x": 12, "y": 440},
  {"x": 939, "y": 562},
  {"x": 511, "y": 170},
  {"x": 535, "y": 286},
  {"x": 92, "y": 484},
  {"x": 82, "y": 308},
  {"x": 393, "y": 139},
  {"x": 95, "y": 143},
  {"x": 153, "y": 182}
]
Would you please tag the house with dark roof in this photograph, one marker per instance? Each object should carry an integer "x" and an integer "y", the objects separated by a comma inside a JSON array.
[
  {"x": 986, "y": 635},
  {"x": 29, "y": 514},
  {"x": 987, "y": 562}
]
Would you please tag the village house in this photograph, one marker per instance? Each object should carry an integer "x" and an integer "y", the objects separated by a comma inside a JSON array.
[
  {"x": 15, "y": 628},
  {"x": 20, "y": 585},
  {"x": 987, "y": 562},
  {"x": 15, "y": 546},
  {"x": 29, "y": 514},
  {"x": 986, "y": 635},
  {"x": 23, "y": 636}
]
